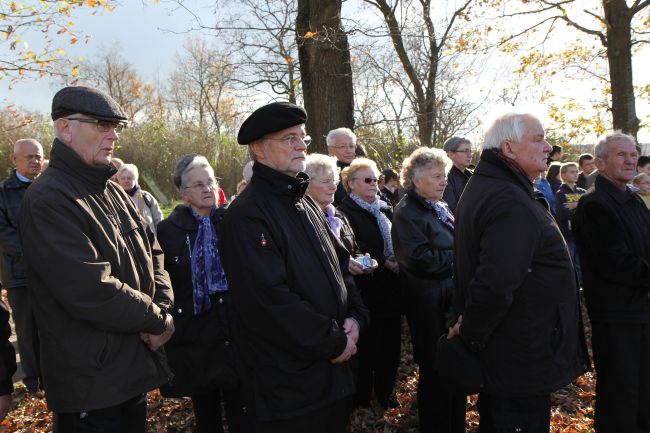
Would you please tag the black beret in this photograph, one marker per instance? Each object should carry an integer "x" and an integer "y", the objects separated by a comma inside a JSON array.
[
  {"x": 84, "y": 100},
  {"x": 270, "y": 118}
]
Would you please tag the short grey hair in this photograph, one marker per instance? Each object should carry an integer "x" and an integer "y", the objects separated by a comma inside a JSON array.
[
  {"x": 317, "y": 163},
  {"x": 347, "y": 132},
  {"x": 602, "y": 147},
  {"x": 509, "y": 126},
  {"x": 453, "y": 143},
  {"x": 131, "y": 168},
  {"x": 421, "y": 159},
  {"x": 186, "y": 164}
]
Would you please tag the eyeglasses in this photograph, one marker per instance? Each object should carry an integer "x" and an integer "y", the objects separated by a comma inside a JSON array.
[
  {"x": 368, "y": 179},
  {"x": 346, "y": 146},
  {"x": 293, "y": 140},
  {"x": 103, "y": 126},
  {"x": 328, "y": 181},
  {"x": 200, "y": 186},
  {"x": 466, "y": 151}
]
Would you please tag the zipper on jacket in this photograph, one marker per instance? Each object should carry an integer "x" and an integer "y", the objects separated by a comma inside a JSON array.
[{"x": 189, "y": 245}]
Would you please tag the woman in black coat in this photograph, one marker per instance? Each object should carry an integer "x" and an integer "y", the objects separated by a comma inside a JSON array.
[
  {"x": 379, "y": 347},
  {"x": 423, "y": 238},
  {"x": 200, "y": 353}
]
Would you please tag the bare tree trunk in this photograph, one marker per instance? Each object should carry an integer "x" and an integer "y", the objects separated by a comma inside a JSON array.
[
  {"x": 325, "y": 69},
  {"x": 619, "y": 56}
]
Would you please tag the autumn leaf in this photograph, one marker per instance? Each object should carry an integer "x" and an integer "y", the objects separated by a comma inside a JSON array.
[{"x": 310, "y": 35}]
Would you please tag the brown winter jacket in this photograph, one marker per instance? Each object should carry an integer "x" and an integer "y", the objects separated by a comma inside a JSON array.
[{"x": 97, "y": 280}]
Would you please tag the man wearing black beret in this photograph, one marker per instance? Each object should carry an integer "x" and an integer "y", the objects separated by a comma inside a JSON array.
[
  {"x": 297, "y": 320},
  {"x": 95, "y": 275}
]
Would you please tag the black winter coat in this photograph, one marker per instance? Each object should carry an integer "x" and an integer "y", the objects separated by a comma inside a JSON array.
[
  {"x": 200, "y": 351},
  {"x": 284, "y": 269},
  {"x": 381, "y": 291},
  {"x": 7, "y": 352},
  {"x": 424, "y": 248},
  {"x": 612, "y": 230},
  {"x": 456, "y": 181},
  {"x": 515, "y": 284},
  {"x": 12, "y": 268},
  {"x": 340, "y": 193}
]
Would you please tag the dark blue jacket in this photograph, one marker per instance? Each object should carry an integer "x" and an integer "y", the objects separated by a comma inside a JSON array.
[{"x": 12, "y": 269}]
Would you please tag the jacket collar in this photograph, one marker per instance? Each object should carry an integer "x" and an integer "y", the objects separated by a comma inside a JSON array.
[
  {"x": 466, "y": 173},
  {"x": 418, "y": 198},
  {"x": 280, "y": 183},
  {"x": 13, "y": 182},
  {"x": 606, "y": 186},
  {"x": 64, "y": 158},
  {"x": 182, "y": 217},
  {"x": 492, "y": 166}
]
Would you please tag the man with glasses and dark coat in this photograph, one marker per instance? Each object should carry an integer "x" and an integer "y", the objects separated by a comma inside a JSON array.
[
  {"x": 95, "y": 273},
  {"x": 459, "y": 150},
  {"x": 296, "y": 321}
]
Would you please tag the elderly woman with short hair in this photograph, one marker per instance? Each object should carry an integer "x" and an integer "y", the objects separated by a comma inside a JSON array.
[
  {"x": 423, "y": 238},
  {"x": 200, "y": 353},
  {"x": 127, "y": 176},
  {"x": 379, "y": 349}
]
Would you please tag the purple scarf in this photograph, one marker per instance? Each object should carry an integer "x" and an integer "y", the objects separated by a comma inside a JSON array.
[
  {"x": 208, "y": 276},
  {"x": 335, "y": 222}
]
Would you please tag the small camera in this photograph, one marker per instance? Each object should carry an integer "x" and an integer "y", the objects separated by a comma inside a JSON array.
[{"x": 365, "y": 261}]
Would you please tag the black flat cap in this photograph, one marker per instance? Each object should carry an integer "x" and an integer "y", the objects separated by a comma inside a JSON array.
[
  {"x": 270, "y": 118},
  {"x": 84, "y": 100}
]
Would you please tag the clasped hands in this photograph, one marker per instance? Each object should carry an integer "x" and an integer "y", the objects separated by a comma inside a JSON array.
[
  {"x": 351, "y": 328},
  {"x": 154, "y": 342}
]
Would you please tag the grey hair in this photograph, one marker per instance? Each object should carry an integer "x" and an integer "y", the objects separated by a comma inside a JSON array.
[
  {"x": 318, "y": 163},
  {"x": 347, "y": 132},
  {"x": 602, "y": 147},
  {"x": 421, "y": 159},
  {"x": 188, "y": 163},
  {"x": 509, "y": 126},
  {"x": 131, "y": 168},
  {"x": 452, "y": 144}
]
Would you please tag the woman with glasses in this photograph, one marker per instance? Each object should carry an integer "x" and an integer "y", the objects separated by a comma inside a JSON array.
[
  {"x": 127, "y": 176},
  {"x": 423, "y": 236},
  {"x": 200, "y": 353},
  {"x": 459, "y": 150},
  {"x": 379, "y": 347}
]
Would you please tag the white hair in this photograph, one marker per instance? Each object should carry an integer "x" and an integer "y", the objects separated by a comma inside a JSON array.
[
  {"x": 318, "y": 163},
  {"x": 602, "y": 148},
  {"x": 347, "y": 132},
  {"x": 507, "y": 127},
  {"x": 188, "y": 163},
  {"x": 131, "y": 168},
  {"x": 421, "y": 159}
]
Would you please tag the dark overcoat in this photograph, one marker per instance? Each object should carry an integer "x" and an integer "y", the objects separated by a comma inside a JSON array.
[
  {"x": 12, "y": 269},
  {"x": 456, "y": 181},
  {"x": 290, "y": 301},
  {"x": 200, "y": 352},
  {"x": 381, "y": 291},
  {"x": 515, "y": 284}
]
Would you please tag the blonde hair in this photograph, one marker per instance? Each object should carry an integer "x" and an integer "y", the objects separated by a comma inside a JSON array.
[
  {"x": 639, "y": 178},
  {"x": 565, "y": 167},
  {"x": 357, "y": 164},
  {"x": 418, "y": 161}
]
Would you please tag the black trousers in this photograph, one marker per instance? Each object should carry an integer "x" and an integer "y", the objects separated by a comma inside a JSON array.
[
  {"x": 127, "y": 417},
  {"x": 379, "y": 356},
  {"x": 330, "y": 419},
  {"x": 22, "y": 311},
  {"x": 207, "y": 412},
  {"x": 438, "y": 410},
  {"x": 514, "y": 414},
  {"x": 622, "y": 360}
]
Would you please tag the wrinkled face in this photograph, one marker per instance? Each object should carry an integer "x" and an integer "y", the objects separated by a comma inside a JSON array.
[
  {"x": 431, "y": 182},
  {"x": 588, "y": 166},
  {"x": 570, "y": 175},
  {"x": 28, "y": 158},
  {"x": 200, "y": 190},
  {"x": 620, "y": 164},
  {"x": 461, "y": 157},
  {"x": 322, "y": 188},
  {"x": 93, "y": 147},
  {"x": 126, "y": 179},
  {"x": 532, "y": 151},
  {"x": 364, "y": 184},
  {"x": 343, "y": 149},
  {"x": 282, "y": 153}
]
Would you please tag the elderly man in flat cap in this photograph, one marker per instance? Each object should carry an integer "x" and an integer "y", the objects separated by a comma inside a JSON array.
[
  {"x": 96, "y": 276},
  {"x": 297, "y": 316}
]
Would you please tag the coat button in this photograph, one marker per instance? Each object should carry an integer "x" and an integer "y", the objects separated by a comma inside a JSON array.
[
  {"x": 227, "y": 343},
  {"x": 530, "y": 269},
  {"x": 221, "y": 300},
  {"x": 180, "y": 310}
]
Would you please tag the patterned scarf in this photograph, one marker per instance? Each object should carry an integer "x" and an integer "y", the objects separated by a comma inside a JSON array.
[
  {"x": 208, "y": 276},
  {"x": 442, "y": 212},
  {"x": 382, "y": 221},
  {"x": 335, "y": 222}
]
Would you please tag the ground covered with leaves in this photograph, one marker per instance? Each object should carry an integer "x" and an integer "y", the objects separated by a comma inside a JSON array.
[{"x": 572, "y": 410}]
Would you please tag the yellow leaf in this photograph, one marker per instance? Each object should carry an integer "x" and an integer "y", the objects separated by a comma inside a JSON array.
[
  {"x": 73, "y": 41},
  {"x": 61, "y": 51},
  {"x": 310, "y": 35},
  {"x": 75, "y": 71},
  {"x": 91, "y": 3}
]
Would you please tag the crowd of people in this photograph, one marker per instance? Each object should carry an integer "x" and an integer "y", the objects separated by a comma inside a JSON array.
[{"x": 284, "y": 306}]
